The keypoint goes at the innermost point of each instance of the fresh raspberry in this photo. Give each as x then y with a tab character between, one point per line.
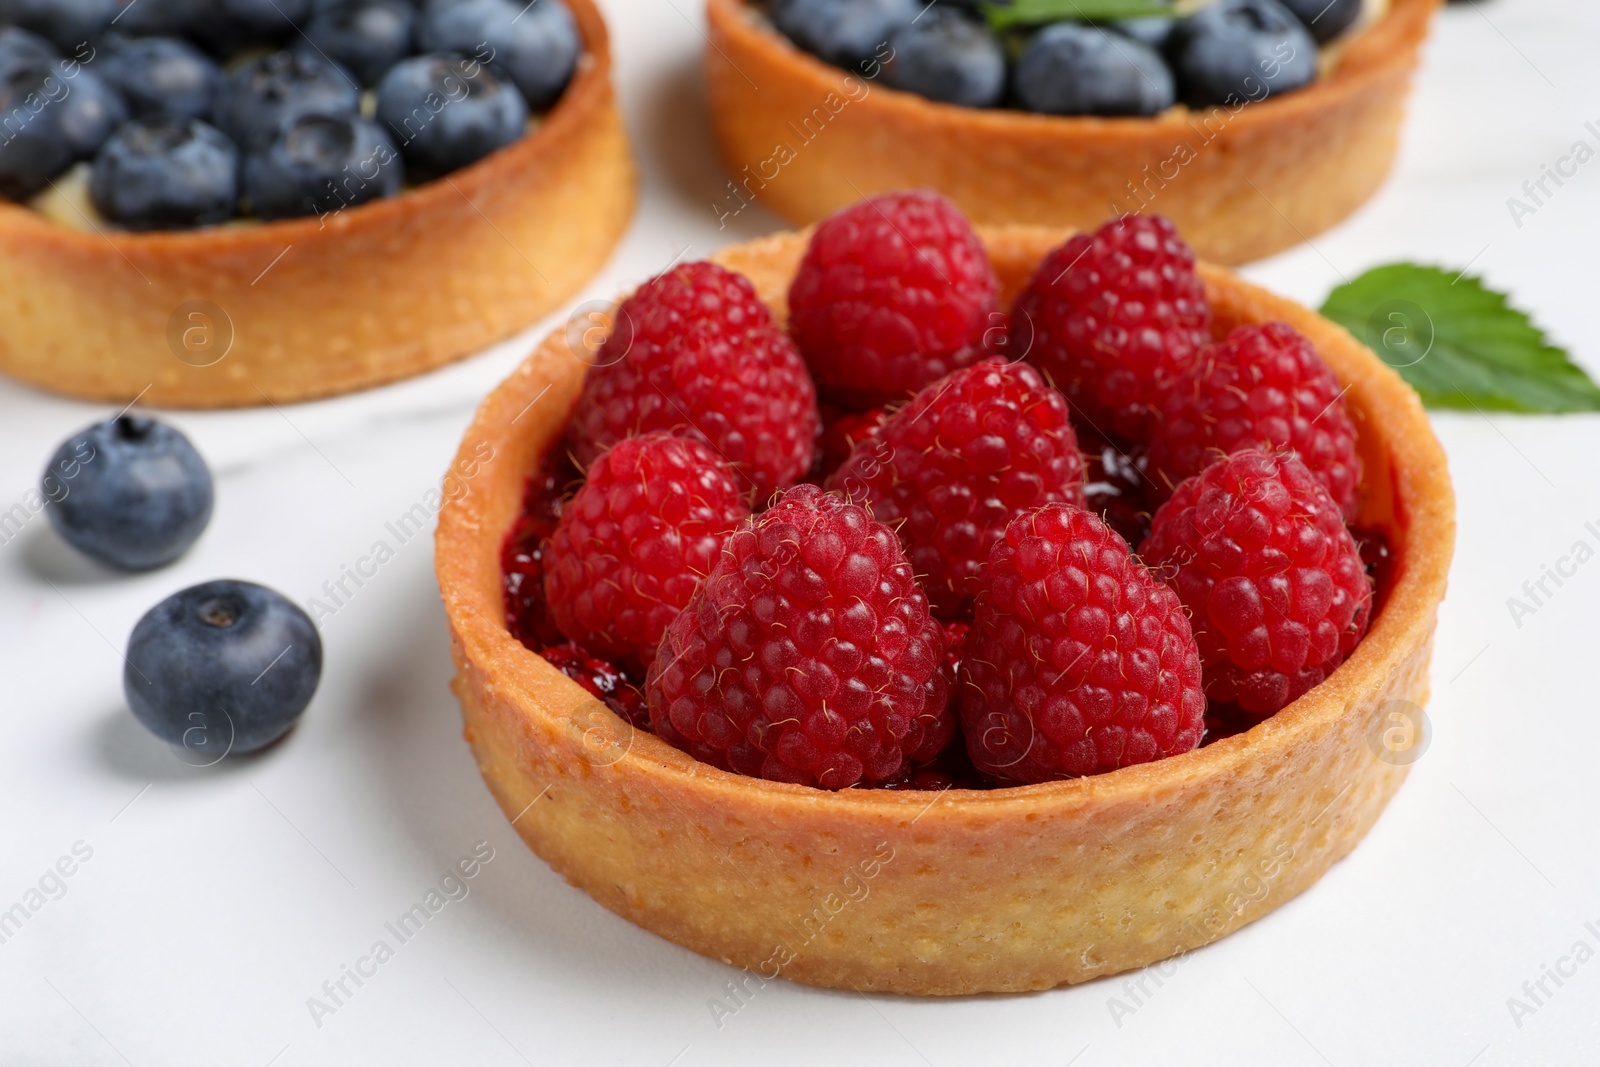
636	540
522	554
806	655
696	352
1264	387
895	291
1079	660
1113	317
1273	581
604	681
949	470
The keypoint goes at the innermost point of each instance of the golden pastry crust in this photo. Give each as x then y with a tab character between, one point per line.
806	138
314	306
962	891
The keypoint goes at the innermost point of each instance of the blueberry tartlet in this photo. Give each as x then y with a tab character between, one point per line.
233	202
1253	124
710	675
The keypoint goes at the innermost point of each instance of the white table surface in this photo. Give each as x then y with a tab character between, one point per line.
216	902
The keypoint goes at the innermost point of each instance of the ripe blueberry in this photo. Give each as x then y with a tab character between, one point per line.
320	164
366	36
947	56
852	34
165	75
1240	51
1326	19
130	492
163	173
536	45
1071	69
259	98
225	666
447	111
68	23
90	110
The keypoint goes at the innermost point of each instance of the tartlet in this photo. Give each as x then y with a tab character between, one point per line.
806	138
963	891
236	315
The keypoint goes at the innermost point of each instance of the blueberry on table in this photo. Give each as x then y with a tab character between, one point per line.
321	163
130	492
35	148
366	36
853	34
159	75
259	98
162	173
222	667
1326	19
68	23
536	44
446	111
946	56
1240	51
90	110
1072	69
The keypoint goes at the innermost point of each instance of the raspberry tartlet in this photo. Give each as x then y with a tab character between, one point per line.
854	843
806	137
238	312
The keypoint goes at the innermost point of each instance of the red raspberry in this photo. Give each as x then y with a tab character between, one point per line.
1113	317
806	655
895	291
1273	581
695	352
1264	387
636	540
953	467
1079	660
603	681
522	554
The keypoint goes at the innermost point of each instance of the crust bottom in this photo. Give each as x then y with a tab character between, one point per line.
963	891
1241	183
288	311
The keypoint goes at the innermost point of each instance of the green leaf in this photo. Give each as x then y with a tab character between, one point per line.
1037	12
1460	344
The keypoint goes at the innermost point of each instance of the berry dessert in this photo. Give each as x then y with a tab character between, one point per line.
222	668
1253	123
130	492
931	726
251	201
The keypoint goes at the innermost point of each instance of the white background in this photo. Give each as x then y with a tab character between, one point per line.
217	901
